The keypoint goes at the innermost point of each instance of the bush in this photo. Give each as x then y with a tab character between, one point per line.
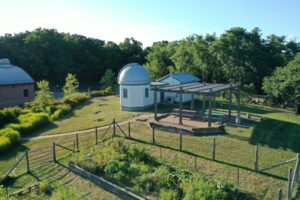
101	93
75	99
30	122
45	187
65	109
9	115
200	188
167	195
10	133
56	115
4	143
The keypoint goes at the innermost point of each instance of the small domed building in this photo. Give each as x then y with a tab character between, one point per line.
135	91
16	86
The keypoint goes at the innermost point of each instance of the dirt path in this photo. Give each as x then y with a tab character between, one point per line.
84	131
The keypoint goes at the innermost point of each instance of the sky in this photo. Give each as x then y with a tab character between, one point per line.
150	20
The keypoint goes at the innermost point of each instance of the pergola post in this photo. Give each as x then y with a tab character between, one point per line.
230	102
238	114
214	102
180	106
192	102
203	104
155	103
210	107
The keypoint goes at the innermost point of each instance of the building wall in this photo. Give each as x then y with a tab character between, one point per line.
176	97
11	95
136	98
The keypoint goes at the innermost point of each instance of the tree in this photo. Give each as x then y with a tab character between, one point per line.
71	85
43	95
159	59
108	79
284	85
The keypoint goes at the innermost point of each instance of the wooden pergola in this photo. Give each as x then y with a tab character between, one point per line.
207	90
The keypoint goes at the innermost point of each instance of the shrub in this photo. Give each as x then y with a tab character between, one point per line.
75	99
50	109
10	133
30	122
45	187
200	188
101	93
56	115
65	109
167	195
9	115
4	143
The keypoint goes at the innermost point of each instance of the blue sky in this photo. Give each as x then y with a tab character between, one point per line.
151	20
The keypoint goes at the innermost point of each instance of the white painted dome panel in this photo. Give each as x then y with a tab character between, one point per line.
133	74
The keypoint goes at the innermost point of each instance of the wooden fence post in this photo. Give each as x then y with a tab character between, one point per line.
153	135
296	171
129	136
238	178
214	149
256	159
289	186
77	142
279	194
160	152
27	161
114	127
180	140
54	152
96	132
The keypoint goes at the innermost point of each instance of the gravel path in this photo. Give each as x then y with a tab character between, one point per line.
84	131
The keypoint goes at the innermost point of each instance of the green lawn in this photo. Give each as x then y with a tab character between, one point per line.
278	137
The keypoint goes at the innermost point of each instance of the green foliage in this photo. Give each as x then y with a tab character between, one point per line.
4	143
168	195
43	95
9	115
45	187
30	122
75	99
284	85
64	193
108	80
71	85
199	188
101	93
8	137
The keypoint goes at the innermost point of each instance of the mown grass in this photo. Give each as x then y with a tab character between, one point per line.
230	154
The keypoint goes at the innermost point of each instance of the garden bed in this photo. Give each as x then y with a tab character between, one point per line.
133	168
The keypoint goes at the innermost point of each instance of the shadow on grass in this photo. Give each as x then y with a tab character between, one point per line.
277	134
209	159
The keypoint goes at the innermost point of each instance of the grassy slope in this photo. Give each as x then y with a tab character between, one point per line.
280	131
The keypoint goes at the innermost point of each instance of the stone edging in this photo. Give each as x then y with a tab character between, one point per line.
107	185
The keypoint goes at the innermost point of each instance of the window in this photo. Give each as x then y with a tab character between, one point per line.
125	93
25	93
146	92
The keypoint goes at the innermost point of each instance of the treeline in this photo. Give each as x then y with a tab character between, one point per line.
51	55
236	56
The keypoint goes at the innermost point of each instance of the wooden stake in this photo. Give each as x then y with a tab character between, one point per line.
160	152
279	194
27	161
238	178
214	149
289	186
54	152
114	127
153	136
129	136
77	142
256	159
96	132
180	141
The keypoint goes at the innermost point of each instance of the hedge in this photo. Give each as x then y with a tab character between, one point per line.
30	122
100	93
8	136
9	115
75	99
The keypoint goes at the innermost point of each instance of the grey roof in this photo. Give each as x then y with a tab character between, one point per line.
10	74
133	74
181	77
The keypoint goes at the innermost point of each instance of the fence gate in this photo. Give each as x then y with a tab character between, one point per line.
38	158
